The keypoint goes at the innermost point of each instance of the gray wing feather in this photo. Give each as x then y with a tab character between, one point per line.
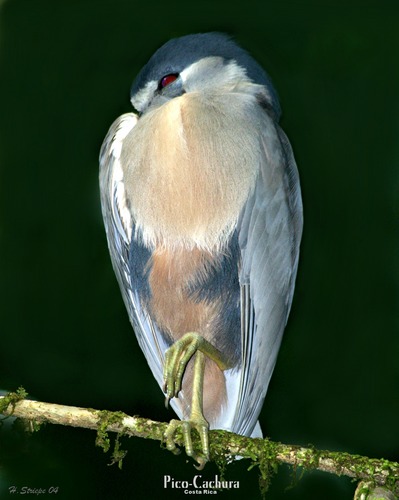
270	229
116	220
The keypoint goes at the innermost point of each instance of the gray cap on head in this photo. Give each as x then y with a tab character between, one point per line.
179	53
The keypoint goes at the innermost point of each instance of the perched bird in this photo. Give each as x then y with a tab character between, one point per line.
202	208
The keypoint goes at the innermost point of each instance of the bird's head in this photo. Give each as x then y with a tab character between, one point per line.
206	62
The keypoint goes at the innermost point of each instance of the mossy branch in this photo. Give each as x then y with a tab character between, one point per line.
224	445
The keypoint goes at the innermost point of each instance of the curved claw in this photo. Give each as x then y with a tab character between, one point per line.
169	433
179	354
201	425
176	360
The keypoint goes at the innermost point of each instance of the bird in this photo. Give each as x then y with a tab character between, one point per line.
202	208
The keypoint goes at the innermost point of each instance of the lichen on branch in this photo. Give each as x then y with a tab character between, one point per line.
224	446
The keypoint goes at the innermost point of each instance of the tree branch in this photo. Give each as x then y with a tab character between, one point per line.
224	445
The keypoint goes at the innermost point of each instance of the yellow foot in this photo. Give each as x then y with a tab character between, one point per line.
177	357
201	425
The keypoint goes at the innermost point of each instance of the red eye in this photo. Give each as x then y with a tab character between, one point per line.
166	80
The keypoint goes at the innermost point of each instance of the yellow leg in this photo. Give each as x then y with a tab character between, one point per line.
176	359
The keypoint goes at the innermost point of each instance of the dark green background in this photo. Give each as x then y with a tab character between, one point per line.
65	72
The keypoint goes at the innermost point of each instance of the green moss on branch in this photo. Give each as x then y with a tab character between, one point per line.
224	446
